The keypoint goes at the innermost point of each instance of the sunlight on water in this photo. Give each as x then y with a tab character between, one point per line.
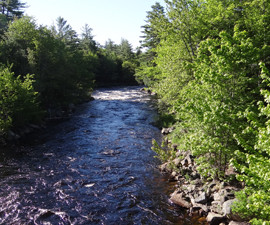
96	168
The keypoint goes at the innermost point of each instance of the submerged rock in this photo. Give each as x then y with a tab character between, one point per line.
12	136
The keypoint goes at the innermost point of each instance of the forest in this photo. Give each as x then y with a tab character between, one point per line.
208	62
44	70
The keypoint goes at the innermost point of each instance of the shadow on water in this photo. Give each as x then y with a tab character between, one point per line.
95	168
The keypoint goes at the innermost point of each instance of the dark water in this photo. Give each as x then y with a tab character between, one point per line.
95	168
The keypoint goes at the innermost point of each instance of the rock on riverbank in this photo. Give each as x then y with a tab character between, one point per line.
211	199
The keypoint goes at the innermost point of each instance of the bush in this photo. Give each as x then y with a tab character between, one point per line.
18	101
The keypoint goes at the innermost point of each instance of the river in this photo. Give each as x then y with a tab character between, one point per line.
95	168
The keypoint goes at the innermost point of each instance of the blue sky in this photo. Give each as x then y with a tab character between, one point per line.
114	19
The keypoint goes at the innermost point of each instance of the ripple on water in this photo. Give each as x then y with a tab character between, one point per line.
96	168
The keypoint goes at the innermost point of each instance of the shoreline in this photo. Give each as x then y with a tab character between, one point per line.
212	199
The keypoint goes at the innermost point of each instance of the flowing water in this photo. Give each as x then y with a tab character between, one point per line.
95	168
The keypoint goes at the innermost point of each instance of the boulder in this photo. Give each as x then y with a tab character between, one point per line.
227	210
177	162
230	171
197	207
167	130
227	207
187	161
177	198
216	196
216	207
195	175
230	192
197	182
212	187
178	153
190	188
165	168
202	198
214	218
173	176
220	196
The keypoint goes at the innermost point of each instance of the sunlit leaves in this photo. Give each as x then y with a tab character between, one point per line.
18	101
211	73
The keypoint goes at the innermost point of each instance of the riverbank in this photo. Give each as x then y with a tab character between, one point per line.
15	134
212	199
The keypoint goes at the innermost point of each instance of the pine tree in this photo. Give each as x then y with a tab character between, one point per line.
12	8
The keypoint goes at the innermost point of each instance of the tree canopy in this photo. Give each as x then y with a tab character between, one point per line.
64	66
209	66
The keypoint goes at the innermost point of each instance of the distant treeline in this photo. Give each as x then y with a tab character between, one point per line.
46	69
209	62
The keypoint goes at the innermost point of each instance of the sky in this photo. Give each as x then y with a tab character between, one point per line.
109	19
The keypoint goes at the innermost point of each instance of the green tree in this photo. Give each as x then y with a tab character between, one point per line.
62	74
48	60
17	41
87	39
254	164
65	33
125	51
109	67
18	101
153	29
156	22
11	8
206	73
117	63
3	24
110	46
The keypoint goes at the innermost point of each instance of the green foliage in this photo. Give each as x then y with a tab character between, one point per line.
87	41
65	66
3	23
64	69
146	74
164	152
254	166
152	29
11	8
209	68
165	120
18	101
117	64
18	39
125	50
